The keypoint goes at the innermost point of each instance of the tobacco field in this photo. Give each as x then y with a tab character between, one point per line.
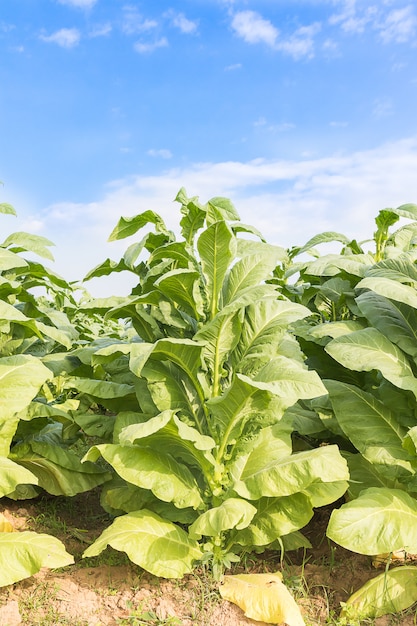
205	427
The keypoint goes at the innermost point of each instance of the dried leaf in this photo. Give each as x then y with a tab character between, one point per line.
262	597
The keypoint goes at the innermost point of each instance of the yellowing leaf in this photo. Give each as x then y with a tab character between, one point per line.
391	592
262	597
5	525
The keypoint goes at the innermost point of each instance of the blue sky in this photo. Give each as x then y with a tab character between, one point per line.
303	112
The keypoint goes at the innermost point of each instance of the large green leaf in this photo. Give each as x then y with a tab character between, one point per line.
183	287
217	247
326	237
58	471
401	269
12	475
19	242
370	426
289	380
160	547
292	474
105	389
230	411
21	377
406	210
379	521
262	331
395	320
390	289
23	554
391	592
248	272
232	513
10	260
156	470
368	349
276	517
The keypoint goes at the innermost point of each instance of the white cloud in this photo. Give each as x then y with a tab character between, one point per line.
100	30
232	67
383	107
301	42
134	22
163	153
181	22
289	201
352	20
150	46
253	28
399	25
65	37
81	4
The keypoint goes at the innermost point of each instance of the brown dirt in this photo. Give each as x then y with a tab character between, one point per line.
110	591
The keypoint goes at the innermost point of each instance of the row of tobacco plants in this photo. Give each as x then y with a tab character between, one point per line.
237	388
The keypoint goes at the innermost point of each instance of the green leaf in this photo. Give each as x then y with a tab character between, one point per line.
9	260
106	268
232	513
262	332
12	475
158	546
276	517
183	287
263	597
248	272
391	592
58	471
156	470
19	242
220	208
128	226
292	474
7	209
390	289
369	425
98	388
379	521
217	247
368	349
325	237
406	210
23	554
395	320
21	377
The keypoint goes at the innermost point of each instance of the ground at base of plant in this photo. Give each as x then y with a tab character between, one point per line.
110	591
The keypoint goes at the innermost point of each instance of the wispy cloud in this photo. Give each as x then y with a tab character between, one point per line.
81	4
233	67
150	46
185	25
100	30
288	200
253	29
134	23
65	37
399	25
352	20
382	107
163	153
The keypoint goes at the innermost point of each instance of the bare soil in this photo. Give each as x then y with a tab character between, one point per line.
109	590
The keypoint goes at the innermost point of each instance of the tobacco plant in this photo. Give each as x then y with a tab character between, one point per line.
364	344
202	455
